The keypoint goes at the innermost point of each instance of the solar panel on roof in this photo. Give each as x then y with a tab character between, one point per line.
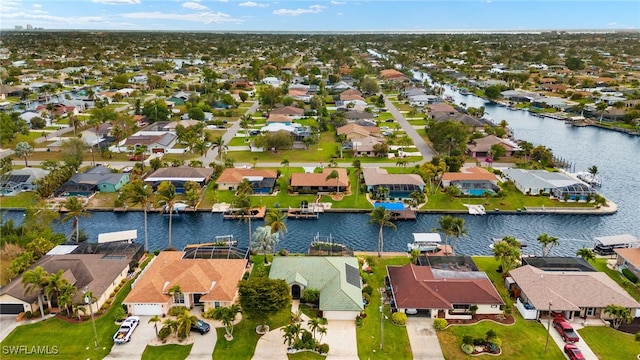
353	276
18	178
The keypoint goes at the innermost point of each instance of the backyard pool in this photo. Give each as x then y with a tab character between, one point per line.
478	192
390	205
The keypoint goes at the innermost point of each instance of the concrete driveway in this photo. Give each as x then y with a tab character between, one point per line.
271	346
7	324
141	336
341	337
203	345
423	339
584	347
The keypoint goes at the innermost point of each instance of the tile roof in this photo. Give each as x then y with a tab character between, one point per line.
327	274
216	279
378	176
235	175
484	144
357	129
631	255
287	110
569	290
179	172
163	139
278	118
320	179
420	287
470	173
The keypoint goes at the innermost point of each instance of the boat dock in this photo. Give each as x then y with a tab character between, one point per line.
406	214
311	212
254	213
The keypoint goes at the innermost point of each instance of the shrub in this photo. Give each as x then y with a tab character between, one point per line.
467	349
491	335
399	318
467	339
164	333
28	314
323	348
638	336
629	275
177	310
367	290
358	321
208	314
310	296
479	341
283	252
156	252
119	314
440	324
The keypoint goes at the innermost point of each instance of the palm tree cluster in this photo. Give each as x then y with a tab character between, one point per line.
179	326
382	217
451	227
295	336
55	287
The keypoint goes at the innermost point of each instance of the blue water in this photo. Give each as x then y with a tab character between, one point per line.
390	205
477	192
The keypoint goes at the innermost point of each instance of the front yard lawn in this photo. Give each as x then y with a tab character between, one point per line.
22	200
608	343
168	352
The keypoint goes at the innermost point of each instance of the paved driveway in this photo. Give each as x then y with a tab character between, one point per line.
142	335
586	350
341	337
203	345
271	346
423	339
7	324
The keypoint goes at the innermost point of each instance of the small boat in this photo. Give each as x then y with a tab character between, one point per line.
325	246
589	178
475	209
425	242
605	245
523	243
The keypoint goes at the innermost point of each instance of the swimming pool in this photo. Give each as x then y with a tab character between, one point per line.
478	192
390	205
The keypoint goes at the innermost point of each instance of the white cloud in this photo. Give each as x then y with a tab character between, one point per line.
37	6
203	17
194	6
313	9
253	4
339	14
334	2
117	2
9	5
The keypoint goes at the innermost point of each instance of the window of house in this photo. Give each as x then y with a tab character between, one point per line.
461	307
178	298
216	304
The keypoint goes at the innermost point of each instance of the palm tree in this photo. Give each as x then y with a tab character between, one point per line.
155	320
457	231
601	106
176	293
314	324
218	143
291	333
507	251
586	254
619	315
322	330
65	297
275	220
24	150
35	281
227	315
263	240
334	175
139	193
285	163
245	188
382	217
200	147
185	320
166	197
446	225
547	243
593	170
54	285
75	209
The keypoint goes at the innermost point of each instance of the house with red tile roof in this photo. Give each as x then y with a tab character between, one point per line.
290	111
443	292
231	178
479	148
471	178
355	131
212	282
317	182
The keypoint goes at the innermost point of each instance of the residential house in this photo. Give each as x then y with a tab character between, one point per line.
19	180
138	79
628	259
365	146
307	183
179	176
279	119
393	75
481	147
290	111
261	180
574	293
542	182
273	81
96	179
399	185
336	278
211	282
359	117
471	178
465	119
354	131
153	141
98	268
171	126
445	293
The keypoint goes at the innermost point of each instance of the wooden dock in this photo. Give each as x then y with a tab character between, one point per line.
406	214
254	213
305	213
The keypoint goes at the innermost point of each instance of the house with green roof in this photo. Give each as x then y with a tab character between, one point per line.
337	279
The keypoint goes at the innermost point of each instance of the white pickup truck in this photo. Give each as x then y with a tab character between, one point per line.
123	335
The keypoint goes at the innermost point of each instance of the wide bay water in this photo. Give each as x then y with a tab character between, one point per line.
616	155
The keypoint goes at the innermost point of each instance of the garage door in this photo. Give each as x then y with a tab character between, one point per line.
147	309
11	309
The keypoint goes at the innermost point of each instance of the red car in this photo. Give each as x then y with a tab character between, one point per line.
573	352
565	330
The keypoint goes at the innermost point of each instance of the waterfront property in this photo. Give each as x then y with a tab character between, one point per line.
481	147
473	181
557	184
21	180
399	185
574	293
337	279
320	182
628	259
449	292
605	245
178	176
262	180
173	280
96	179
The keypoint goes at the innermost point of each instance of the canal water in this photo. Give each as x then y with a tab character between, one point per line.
615	155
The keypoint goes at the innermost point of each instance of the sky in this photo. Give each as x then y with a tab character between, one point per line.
334	15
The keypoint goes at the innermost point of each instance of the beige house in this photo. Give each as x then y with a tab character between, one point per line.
317	182
212	282
231	178
629	259
355	131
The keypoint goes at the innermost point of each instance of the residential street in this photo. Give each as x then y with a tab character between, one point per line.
418	141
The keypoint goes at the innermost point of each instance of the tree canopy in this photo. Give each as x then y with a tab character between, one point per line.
261	297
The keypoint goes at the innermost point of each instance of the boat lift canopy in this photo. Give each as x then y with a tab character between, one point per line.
427	238
127	235
617	240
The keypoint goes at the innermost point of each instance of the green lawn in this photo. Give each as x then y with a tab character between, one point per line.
306	355
396	341
633	289
73	340
22	200
168	352
608	343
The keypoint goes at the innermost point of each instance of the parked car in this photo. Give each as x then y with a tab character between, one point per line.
123	335
565	330
573	352
201	327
